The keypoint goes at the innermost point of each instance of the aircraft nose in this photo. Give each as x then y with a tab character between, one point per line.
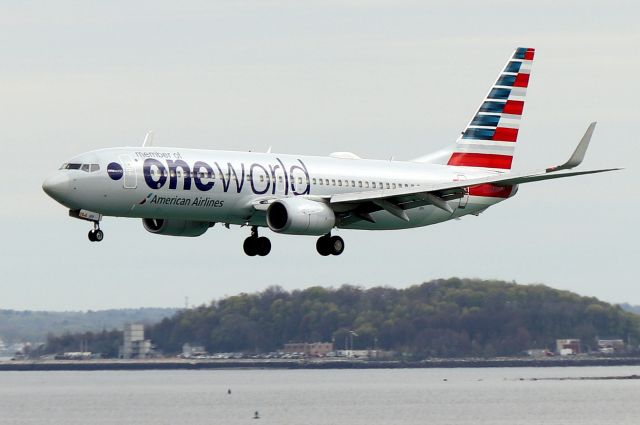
57	186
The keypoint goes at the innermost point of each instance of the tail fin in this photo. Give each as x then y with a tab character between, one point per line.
489	139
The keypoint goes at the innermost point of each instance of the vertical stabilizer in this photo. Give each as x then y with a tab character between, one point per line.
489	139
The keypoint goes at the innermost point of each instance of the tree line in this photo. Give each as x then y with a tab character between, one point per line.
34	326
441	318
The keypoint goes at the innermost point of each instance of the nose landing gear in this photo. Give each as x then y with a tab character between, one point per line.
96	235
330	245
256	245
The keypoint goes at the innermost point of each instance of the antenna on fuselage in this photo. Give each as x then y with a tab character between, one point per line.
148	139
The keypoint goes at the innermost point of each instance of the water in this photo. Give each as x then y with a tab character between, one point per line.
323	397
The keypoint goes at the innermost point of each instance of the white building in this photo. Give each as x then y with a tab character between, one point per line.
134	345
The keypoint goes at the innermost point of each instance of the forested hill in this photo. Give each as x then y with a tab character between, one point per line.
34	326
630	308
454	317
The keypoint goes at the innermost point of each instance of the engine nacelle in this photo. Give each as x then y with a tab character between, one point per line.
174	227
300	216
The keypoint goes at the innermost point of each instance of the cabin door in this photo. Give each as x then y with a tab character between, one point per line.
130	180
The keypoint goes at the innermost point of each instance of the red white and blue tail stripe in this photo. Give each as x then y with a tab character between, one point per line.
489	139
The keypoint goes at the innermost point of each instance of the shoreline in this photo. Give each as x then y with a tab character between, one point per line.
186	364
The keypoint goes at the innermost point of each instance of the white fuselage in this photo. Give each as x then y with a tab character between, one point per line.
225	186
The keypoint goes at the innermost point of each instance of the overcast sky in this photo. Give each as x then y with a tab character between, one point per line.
379	78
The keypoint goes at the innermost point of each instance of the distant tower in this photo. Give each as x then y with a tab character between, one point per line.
134	345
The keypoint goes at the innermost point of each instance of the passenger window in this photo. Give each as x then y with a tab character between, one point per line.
326	182
314	180
320	181
393	186
360	183
366	184
339	182
373	185
353	183
333	182
280	179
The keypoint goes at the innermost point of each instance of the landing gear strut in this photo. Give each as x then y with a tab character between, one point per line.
330	245
96	235
256	245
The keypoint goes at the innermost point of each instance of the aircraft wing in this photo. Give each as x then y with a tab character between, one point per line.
397	200
358	205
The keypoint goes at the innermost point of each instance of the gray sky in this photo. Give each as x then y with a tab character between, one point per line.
379	78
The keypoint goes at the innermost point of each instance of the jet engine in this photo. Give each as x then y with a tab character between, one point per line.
300	216
173	227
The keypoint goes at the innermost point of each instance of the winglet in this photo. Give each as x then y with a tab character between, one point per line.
578	154
148	139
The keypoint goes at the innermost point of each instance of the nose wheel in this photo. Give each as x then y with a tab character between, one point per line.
256	245
96	235
330	245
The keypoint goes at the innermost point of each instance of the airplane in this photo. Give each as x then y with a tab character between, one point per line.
184	192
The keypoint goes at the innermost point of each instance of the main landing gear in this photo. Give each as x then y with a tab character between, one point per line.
96	235
259	245
330	245
256	245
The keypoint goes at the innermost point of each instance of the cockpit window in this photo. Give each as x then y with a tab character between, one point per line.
88	168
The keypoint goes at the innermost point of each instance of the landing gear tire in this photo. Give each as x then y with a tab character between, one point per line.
250	246
96	235
330	245
264	246
336	245
256	245
323	245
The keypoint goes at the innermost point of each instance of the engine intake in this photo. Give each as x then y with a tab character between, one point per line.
174	227
300	216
